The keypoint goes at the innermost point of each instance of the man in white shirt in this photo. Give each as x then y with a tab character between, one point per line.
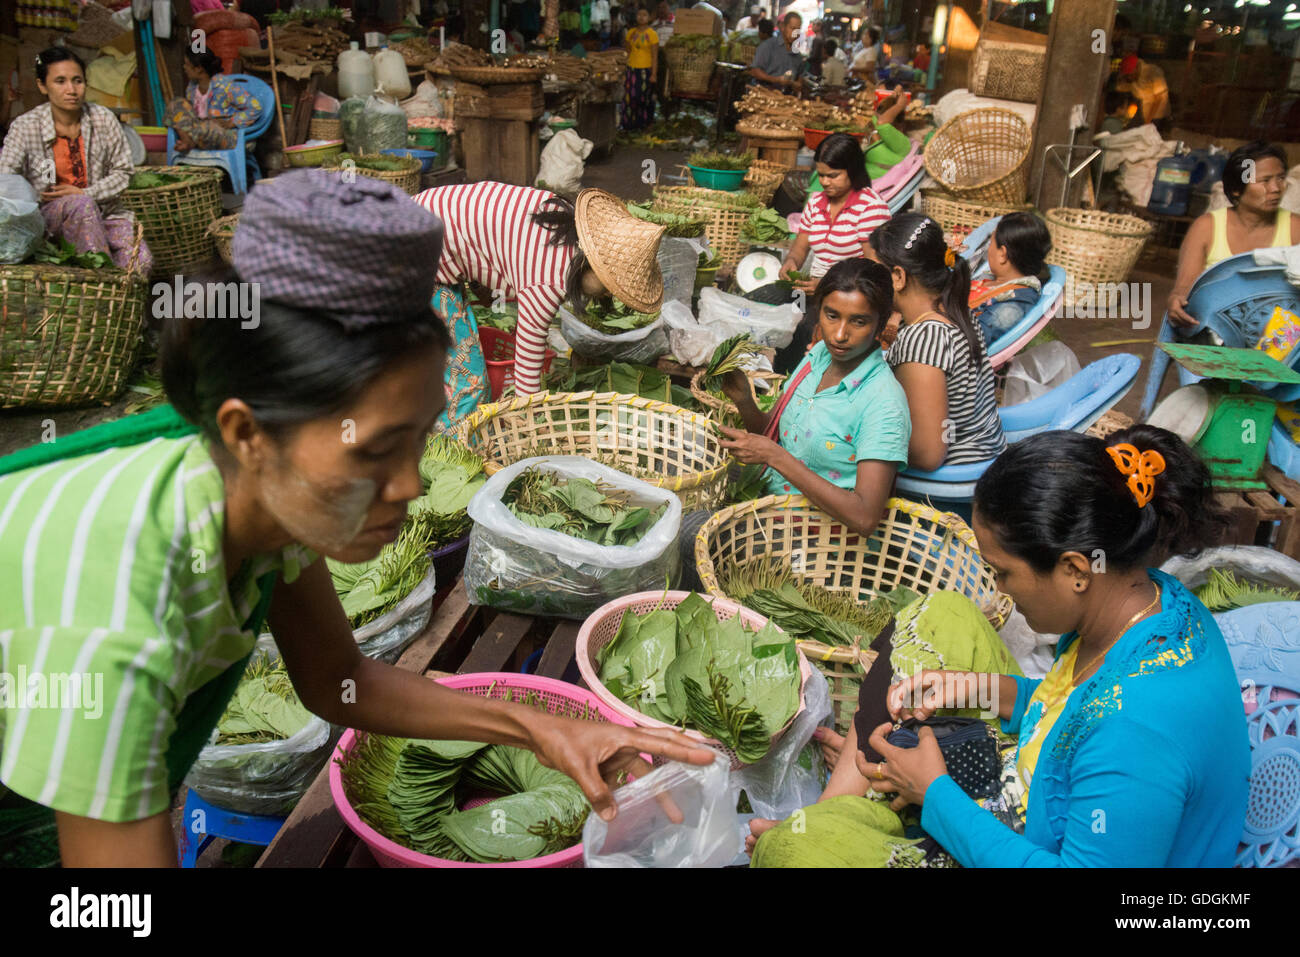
750	22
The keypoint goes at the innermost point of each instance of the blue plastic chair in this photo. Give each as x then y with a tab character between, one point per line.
1233	300
239	161
1074	405
1264	641
203	822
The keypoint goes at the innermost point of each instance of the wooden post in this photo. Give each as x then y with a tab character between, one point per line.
1078	59
275	88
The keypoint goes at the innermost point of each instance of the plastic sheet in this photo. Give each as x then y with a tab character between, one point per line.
771	326
678	259
385	638
22	227
641	346
539	571
702	831
266	779
1038	370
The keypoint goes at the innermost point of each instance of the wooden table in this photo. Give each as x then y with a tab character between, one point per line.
460	638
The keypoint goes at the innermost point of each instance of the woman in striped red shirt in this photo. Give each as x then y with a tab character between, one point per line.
532	246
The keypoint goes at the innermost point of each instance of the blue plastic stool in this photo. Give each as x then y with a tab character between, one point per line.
1264	641
213	822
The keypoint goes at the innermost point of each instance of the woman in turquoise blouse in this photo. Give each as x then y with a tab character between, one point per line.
1132	751
841	433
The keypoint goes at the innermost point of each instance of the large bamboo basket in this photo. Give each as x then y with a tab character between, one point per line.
958	216
982	156
1094	246
406	179
764	178
722	408
690	71
69	336
176	217
222	232
727	213
668	446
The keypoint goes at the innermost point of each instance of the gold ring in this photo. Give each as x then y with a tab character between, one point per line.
880	770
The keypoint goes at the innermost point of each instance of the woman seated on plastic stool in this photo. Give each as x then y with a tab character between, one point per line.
1017	257
889	150
1168	771
207	117
840	432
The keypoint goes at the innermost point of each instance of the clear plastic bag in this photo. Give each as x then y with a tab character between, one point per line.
1249	561
642	346
643	834
351	112
22	227
690	342
678	259
385	638
779	785
383	125
771	326
539	571
1038	370
267	779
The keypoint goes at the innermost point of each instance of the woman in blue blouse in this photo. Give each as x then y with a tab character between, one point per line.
842	434
1133	749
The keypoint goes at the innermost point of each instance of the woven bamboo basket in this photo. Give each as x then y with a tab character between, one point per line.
764	178
724	410
843	666
491	75
727	212
1008	71
69	336
321	128
667	446
406	179
982	156
913	546
957	216
1109	423
222	232
176	217
1093	246
742	53
691	71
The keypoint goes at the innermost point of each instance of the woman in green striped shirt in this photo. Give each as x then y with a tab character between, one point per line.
145	554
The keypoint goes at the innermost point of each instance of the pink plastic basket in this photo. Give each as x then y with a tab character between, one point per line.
602	625
559	698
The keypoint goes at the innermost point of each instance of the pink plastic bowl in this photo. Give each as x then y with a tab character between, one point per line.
559	697
602	625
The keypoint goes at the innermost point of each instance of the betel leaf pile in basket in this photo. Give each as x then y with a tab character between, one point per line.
417	793
450	475
579	508
612	317
265	706
683	666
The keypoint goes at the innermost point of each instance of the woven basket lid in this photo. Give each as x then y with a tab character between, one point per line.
621	249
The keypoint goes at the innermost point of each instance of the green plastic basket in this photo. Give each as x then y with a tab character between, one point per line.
725	179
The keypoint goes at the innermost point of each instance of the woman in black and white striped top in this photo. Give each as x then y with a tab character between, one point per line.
938	356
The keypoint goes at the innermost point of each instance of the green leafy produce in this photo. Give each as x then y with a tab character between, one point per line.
712	159
1225	591
612	317
265	706
578	508
766	226
63	253
329	13
710	259
149	180
384	164
412	792
684	666
623	378
685	227
505	319
695	42
729	356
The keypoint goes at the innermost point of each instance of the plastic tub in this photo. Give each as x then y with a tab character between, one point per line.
724	179
813	138
426	157
557	695
153	137
313	155
449	560
499	354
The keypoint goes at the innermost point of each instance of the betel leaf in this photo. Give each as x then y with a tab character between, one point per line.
697	623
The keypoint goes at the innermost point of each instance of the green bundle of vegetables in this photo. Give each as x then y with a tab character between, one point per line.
265	706
697	42
329	13
766	226
411	791
63	253
383	164
579	508
711	259
712	159
623	378
149	180
685	227
612	317
729	356
1225	591
684	666
506	318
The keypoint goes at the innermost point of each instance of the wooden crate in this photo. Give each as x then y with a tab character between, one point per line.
1268	517
501	101
460	639
504	151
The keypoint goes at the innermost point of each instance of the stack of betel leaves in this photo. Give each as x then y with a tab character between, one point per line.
683	227
415	793
611	317
766	226
265	707
683	666
504	317
715	160
146	179
579	508
63	253
621	377
1225	591
451	475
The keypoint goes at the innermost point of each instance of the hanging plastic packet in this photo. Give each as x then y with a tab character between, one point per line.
679	815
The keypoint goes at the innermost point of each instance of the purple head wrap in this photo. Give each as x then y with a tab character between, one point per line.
361	252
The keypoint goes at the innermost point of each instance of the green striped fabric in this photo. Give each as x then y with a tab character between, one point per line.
112	564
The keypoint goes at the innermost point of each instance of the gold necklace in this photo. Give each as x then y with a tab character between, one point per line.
1129	624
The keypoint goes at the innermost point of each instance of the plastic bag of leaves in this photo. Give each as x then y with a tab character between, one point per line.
618	335
544	570
267	749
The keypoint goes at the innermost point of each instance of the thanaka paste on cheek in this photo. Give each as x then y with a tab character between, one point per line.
323	520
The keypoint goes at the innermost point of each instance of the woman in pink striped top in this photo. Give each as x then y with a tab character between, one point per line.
836	222
531	245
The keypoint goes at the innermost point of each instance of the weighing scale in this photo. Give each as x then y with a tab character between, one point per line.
1225	418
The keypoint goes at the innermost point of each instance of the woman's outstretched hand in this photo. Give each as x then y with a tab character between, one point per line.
749	448
907	772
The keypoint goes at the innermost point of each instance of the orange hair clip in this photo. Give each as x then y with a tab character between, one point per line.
1140	467
949	257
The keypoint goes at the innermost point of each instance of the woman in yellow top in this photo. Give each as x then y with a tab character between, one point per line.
642	73
1254	179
